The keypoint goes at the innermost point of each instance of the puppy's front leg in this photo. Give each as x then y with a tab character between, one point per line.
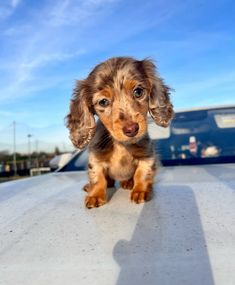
97	188
143	180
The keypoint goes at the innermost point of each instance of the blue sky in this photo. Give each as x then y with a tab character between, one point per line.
47	45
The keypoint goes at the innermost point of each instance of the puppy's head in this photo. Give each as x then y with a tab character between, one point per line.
121	91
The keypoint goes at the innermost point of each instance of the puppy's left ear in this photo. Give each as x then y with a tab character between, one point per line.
160	106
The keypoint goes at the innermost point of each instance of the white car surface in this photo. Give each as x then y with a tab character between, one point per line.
184	235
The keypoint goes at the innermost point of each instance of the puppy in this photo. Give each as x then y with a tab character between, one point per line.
120	91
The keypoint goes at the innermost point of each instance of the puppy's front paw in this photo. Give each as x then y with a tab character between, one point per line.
93	202
139	196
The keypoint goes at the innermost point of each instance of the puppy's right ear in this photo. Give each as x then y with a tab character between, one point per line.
80	120
160	106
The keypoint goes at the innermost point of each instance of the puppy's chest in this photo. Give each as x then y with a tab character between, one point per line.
122	165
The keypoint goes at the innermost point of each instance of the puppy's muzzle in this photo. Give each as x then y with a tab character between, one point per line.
130	129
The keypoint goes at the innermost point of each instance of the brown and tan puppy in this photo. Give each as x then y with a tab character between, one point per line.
120	91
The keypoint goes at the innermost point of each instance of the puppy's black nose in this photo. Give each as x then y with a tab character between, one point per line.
130	129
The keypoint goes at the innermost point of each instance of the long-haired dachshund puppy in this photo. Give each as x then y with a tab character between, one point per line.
120	91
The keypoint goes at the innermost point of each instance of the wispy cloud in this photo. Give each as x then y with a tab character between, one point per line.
7	8
209	90
27	84
37	50
47	58
70	12
6	113
26	69
212	82
15	3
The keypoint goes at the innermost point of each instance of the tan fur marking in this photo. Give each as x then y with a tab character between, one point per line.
97	193
129	85
143	181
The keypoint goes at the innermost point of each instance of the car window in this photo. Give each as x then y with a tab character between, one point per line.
200	137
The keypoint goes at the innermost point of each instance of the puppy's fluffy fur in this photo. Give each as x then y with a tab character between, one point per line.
120	91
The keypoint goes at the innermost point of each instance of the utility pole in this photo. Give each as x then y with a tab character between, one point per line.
29	149
14	148
37	164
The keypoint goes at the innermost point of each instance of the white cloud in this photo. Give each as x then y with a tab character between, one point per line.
49	57
71	12
5	11
210	90
20	89
11	114
15	3
7	8
210	82
35	47
28	67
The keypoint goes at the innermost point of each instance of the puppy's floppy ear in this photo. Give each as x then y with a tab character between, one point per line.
80	120
160	107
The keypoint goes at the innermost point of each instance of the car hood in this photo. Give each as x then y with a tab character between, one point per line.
184	235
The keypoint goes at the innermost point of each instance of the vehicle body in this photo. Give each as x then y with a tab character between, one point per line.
184	235
60	160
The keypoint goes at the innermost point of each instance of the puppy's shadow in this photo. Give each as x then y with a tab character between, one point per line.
168	245
116	187
111	191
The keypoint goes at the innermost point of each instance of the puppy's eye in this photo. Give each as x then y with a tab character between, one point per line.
104	102
138	92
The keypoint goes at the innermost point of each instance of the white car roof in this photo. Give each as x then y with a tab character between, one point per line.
185	235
